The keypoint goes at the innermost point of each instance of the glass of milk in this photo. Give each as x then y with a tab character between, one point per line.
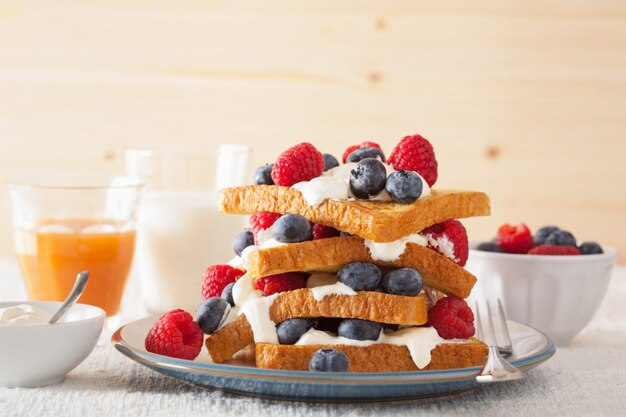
180	231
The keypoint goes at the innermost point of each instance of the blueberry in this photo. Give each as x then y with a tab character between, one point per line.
329	360
211	313
360	276
263	175
344	234
227	294
367	152
404	186
290	331
356	329
489	247
402	281
560	238
329	161
543	233
242	240
368	178
590	248
291	228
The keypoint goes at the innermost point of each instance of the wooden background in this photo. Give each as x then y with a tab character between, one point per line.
523	99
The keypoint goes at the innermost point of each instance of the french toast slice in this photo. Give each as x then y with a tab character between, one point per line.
373	358
365	305
380	221
328	255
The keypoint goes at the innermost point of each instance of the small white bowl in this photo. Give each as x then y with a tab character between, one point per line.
40	355
558	295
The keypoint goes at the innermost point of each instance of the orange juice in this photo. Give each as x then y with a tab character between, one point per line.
53	253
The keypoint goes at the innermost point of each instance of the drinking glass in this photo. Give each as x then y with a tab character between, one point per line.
180	231
64	224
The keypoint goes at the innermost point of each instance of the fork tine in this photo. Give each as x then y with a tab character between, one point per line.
479	326
492	328
508	345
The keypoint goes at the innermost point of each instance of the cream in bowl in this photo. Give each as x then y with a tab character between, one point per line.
34	353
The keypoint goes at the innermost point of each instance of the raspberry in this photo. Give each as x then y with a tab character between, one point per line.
449	238
282	282
353	148
515	239
322	232
554	250
299	163
216	277
260	221
175	334
415	153
452	318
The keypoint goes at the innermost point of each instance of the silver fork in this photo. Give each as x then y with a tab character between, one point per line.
497	368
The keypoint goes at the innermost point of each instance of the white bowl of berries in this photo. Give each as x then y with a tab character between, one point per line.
548	280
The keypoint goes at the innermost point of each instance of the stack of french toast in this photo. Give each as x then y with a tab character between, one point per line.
349	267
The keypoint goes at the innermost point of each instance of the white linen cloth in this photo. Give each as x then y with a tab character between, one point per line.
586	378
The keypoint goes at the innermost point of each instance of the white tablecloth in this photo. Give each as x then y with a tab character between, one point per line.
587	378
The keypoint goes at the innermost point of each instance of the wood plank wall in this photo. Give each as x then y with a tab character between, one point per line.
523	99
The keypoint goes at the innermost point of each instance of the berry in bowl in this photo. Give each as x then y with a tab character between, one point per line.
547	280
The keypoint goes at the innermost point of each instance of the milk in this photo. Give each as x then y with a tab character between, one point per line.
180	233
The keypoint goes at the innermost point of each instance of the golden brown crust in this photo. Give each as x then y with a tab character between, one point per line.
375	220
373	358
326	255
374	306
230	339
365	305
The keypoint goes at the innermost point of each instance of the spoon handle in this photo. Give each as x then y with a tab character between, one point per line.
77	291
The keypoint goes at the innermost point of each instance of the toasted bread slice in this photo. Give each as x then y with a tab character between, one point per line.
373	306
379	221
373	358
327	255
230	339
365	305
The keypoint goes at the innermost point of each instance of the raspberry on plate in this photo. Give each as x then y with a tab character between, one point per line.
515	239
299	163
175	334
216	278
260	221
320	231
450	239
554	250
353	148
274	284
452	318
415	153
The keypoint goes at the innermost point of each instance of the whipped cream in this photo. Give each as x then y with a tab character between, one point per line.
257	313
420	341
391	251
338	288
335	184
250	302
23	314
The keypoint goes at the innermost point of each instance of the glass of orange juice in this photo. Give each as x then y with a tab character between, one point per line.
66	224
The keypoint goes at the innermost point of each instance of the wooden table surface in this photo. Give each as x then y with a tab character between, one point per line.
524	99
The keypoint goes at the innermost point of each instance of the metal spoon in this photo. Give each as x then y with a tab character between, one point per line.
79	286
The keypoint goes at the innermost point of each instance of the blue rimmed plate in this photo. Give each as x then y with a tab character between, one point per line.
241	376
